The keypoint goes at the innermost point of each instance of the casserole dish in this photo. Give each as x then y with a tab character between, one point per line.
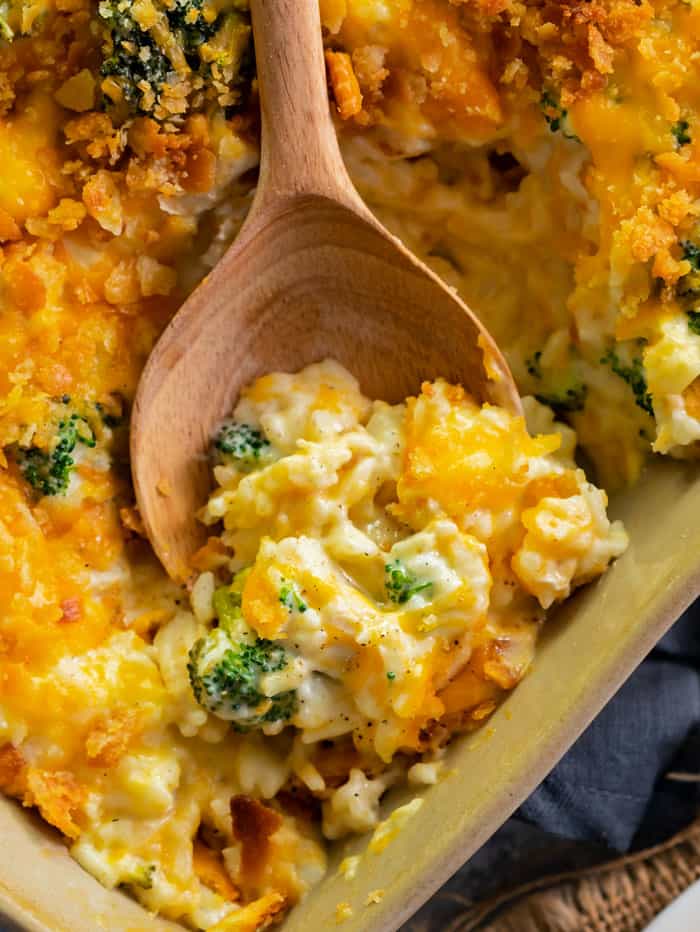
589	647
517	148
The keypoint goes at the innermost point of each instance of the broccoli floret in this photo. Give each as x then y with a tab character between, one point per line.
141	877
563	394
688	287
633	374
187	21
225	677
691	252
227	606
680	133
400	583
49	471
242	445
226	666
694	322
227	603
567	399
291	598
557	117
133	58
142	60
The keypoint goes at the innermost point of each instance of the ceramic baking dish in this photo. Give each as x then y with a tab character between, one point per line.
586	652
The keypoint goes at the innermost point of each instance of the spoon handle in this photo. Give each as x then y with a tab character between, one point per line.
300	153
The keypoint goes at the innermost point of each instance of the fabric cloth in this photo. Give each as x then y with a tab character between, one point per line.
611	788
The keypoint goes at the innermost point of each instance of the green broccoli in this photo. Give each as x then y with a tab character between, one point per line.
291	598
633	374
688	287
187	21
694	322
680	133
557	117
570	398
563	393
400	583
227	607
141	60
49	471
133	58
691	252
225	678
226	665
242	446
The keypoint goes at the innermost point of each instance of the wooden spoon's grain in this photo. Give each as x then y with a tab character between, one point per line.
311	275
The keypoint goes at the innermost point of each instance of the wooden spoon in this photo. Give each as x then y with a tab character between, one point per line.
311	275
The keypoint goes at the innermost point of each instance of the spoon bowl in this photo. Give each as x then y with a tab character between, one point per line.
311	275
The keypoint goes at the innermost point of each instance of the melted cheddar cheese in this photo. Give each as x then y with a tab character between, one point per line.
545	160
396	559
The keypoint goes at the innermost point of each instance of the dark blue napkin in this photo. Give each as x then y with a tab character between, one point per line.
612	787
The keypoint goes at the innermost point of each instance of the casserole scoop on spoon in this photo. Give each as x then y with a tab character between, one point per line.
311	275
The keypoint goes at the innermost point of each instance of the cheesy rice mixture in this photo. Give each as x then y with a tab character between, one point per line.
375	576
